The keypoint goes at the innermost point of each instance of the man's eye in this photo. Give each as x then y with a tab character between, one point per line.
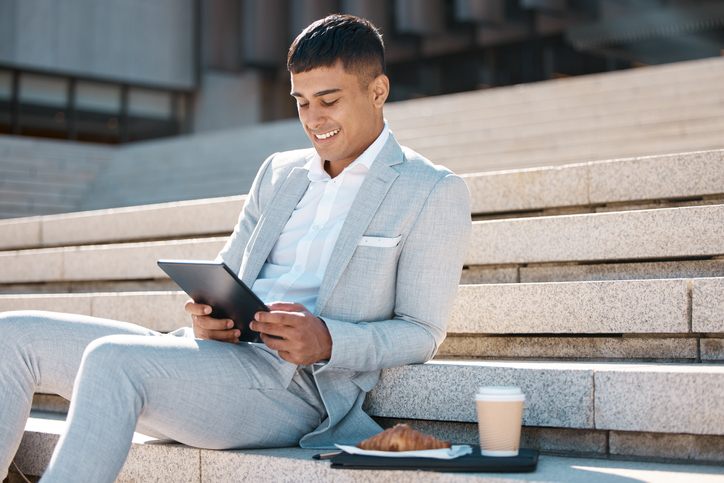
329	104
302	105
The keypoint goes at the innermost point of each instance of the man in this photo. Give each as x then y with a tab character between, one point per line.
363	241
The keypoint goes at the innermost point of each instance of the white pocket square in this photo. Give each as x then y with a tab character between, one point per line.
379	241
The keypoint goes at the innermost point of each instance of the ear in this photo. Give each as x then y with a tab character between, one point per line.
379	90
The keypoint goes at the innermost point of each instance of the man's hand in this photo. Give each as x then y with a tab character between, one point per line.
304	339
206	327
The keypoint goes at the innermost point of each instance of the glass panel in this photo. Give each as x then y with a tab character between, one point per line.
6	96
149	103
180	107
43	90
6	85
97	97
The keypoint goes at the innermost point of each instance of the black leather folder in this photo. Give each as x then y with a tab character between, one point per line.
525	462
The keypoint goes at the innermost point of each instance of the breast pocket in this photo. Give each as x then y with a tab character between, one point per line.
380	241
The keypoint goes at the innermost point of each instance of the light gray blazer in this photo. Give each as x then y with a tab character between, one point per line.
391	280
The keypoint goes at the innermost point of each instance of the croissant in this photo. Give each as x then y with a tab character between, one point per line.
402	438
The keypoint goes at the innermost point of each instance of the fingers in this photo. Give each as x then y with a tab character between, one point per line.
196	309
206	327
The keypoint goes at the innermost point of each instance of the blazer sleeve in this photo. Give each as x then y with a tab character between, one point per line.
428	276
233	252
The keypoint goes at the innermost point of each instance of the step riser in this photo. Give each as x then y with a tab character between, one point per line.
649	348
110	262
646	234
645	398
474	162
151	222
680	306
565	272
652	178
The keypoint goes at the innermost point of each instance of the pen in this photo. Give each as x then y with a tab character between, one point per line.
326	456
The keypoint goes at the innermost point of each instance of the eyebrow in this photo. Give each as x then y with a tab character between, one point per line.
318	94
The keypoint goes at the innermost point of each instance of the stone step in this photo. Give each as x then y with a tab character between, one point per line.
672	177
557	122
664	234
227	158
674	307
678	176
679	142
485	141
150	222
670	81
129	261
182	464
656	398
548	151
672	233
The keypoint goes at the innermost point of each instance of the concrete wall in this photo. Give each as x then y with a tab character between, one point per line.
227	99
136	41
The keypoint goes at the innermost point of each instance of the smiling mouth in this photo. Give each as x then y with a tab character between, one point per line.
327	135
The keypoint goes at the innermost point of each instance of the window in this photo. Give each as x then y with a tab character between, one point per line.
97	112
43	105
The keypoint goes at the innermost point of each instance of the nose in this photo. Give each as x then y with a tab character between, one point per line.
315	117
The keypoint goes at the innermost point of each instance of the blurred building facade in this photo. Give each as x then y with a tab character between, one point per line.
114	71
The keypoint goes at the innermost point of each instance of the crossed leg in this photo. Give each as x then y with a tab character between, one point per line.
202	393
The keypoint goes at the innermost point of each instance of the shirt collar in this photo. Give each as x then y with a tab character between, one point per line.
361	164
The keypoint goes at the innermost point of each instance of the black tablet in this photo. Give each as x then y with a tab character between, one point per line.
214	284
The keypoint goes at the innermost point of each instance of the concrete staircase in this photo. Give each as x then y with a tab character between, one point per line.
597	288
641	112
38	176
654	110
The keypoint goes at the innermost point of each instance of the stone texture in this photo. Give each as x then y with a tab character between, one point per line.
489	275
129	261
655	177
582	307
621	271
161	311
671	446
165	220
165	462
570	348
175	463
30	266
666	233
134	260
712	349
707	300
280	465
66	303
145	461
19	233
662	399
528	189
558	395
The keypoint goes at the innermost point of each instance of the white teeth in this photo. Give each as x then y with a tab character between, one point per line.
326	135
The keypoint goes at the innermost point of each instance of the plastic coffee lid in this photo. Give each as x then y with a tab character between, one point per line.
499	391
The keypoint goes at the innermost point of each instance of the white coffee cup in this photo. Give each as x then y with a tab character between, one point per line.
500	416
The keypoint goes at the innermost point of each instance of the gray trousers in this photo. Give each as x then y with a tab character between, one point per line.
121	377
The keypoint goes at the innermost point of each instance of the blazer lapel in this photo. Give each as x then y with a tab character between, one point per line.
373	190
272	223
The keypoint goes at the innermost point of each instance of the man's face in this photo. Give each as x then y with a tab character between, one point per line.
340	117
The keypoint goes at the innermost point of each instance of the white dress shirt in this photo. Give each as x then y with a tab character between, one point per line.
295	267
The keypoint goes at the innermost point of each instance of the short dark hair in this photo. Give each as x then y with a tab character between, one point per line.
352	40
